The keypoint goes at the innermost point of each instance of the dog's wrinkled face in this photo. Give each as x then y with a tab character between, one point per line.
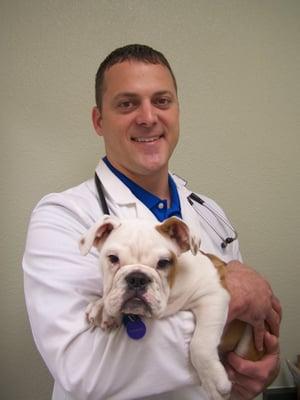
138	259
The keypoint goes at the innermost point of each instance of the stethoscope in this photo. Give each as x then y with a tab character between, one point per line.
192	199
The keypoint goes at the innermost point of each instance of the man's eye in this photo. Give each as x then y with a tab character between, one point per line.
163	263
125	104
113	259
163	102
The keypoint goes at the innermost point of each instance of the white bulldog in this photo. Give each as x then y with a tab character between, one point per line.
154	270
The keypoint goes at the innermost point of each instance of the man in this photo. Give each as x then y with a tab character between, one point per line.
137	114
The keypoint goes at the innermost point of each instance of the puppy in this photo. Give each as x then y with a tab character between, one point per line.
154	270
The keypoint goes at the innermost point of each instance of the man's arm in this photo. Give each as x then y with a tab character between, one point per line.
59	284
253	301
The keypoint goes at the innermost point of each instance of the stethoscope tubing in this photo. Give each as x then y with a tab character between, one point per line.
192	198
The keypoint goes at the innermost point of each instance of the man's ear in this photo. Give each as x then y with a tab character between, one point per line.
97	120
97	234
179	231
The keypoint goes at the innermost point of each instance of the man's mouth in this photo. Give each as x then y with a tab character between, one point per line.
146	139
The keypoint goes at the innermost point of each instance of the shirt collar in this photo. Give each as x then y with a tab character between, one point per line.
156	205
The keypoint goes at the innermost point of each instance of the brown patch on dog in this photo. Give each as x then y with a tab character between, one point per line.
235	329
176	230
172	271
231	337
219	264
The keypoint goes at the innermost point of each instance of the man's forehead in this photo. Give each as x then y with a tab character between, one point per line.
135	64
132	71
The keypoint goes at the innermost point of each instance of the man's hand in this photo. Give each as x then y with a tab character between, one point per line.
250	378
252	301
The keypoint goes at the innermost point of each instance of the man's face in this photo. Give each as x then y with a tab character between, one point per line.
139	119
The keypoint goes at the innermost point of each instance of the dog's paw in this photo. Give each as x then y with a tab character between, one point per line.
215	381
97	316
94	312
109	323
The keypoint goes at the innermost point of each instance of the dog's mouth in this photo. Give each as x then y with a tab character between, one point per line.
136	305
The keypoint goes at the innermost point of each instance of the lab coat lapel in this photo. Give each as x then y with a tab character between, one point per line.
120	200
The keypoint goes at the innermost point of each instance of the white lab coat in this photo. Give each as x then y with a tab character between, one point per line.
89	364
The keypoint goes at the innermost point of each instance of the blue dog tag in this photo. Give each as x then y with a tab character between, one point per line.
135	327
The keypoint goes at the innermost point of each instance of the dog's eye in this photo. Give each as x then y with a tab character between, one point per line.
163	263
113	259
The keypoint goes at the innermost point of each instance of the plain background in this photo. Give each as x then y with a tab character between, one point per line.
237	65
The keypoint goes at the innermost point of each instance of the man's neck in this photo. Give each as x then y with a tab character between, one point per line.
156	183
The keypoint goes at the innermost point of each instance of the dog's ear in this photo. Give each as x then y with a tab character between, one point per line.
97	234
179	231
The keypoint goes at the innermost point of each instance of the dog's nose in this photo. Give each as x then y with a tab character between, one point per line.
137	280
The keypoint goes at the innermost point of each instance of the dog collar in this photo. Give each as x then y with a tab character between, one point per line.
135	327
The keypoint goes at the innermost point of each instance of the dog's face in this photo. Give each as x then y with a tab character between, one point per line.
138	259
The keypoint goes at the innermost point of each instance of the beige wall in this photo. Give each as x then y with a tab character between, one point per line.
237	65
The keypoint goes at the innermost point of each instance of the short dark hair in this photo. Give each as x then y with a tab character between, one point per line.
136	52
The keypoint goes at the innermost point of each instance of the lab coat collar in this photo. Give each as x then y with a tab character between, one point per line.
117	191
113	186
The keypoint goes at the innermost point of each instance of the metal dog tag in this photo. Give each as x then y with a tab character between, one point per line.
135	327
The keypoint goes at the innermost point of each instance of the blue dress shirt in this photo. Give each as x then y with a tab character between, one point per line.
159	207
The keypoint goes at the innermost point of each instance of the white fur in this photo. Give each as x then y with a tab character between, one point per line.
139	245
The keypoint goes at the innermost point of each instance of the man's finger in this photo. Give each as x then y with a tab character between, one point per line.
277	306
259	333
273	321
271	344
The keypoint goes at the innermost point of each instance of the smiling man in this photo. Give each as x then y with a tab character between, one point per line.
139	121
137	115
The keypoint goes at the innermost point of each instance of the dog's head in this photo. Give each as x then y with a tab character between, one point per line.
138	259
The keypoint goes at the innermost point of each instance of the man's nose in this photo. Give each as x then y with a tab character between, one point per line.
147	114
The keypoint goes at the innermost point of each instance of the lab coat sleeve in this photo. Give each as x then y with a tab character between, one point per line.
59	283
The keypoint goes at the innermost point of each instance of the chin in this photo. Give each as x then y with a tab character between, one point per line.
152	166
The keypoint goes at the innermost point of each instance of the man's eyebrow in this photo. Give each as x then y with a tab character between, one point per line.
126	94
133	94
163	92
